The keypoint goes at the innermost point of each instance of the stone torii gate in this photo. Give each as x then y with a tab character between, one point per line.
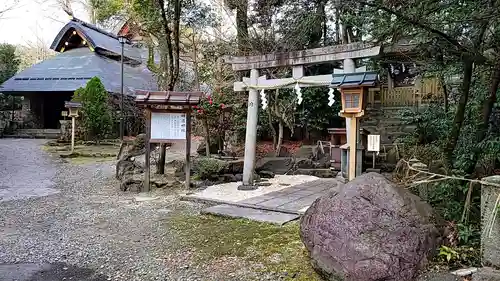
297	60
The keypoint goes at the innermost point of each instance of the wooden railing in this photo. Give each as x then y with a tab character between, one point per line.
401	96
405	96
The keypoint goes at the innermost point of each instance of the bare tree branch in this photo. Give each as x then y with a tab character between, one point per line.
8	6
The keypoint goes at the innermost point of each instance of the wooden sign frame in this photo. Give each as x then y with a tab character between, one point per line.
167	102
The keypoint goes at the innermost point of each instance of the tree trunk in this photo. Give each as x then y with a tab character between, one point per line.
460	112
160	165
488	104
242	26
280	137
440	58
195	62
445	92
207	136
172	65
337	26
345	36
273	130
325	23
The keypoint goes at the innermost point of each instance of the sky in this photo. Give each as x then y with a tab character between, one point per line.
32	19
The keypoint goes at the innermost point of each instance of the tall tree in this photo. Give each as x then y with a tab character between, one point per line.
241	7
9	62
459	28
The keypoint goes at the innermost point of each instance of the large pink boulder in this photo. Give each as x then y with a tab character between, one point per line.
369	230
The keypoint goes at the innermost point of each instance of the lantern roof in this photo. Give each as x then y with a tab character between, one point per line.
72	104
357	79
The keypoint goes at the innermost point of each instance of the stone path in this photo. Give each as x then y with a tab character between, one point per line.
294	199
251	214
279	206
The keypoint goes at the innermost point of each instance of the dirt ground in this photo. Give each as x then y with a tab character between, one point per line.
65	219
86	229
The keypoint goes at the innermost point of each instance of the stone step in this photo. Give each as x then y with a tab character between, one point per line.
36	133
320	173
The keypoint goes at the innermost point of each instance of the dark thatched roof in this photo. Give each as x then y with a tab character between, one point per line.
76	63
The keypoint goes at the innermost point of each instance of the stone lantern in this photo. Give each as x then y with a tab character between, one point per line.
74	108
354	92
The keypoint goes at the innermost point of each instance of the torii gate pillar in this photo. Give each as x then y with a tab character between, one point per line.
251	133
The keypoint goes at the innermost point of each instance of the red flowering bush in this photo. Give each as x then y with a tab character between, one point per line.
213	119
208	108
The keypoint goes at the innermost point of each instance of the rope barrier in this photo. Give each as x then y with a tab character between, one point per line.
488	229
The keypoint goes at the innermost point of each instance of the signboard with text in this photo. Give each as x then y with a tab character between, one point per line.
374	143
168	126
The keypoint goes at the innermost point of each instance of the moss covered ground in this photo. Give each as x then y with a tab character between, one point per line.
277	249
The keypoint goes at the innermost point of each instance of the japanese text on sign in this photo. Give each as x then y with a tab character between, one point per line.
168	126
374	143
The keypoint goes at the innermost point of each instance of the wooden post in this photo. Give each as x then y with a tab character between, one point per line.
188	150
73	134
148	151
490	223
352	147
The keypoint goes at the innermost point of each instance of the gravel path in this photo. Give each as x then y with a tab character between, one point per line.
25	171
84	228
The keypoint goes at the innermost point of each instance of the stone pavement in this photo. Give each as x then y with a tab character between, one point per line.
232	211
279	206
294	199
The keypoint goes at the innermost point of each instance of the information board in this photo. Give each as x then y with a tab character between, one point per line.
374	143
168	126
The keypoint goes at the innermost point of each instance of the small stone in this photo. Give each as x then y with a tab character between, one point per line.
239	177
465	271
266	174
145	198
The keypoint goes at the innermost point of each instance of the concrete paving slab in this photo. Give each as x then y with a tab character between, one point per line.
257	200
273	203
252	214
294	200
306	192
228	192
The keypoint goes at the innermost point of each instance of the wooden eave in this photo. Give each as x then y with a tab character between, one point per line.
149	98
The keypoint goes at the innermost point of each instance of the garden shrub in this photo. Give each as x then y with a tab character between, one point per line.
96	114
206	167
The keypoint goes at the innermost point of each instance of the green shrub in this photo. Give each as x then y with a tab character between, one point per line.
206	167
458	257
96	113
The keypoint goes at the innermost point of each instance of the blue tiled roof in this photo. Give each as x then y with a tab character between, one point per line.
355	79
72	69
